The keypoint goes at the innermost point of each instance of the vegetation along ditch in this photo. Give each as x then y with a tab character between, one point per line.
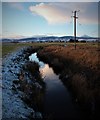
55	81
78	69
31	83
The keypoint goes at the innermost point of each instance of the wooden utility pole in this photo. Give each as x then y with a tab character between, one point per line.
75	27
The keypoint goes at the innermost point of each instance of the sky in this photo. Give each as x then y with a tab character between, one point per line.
27	19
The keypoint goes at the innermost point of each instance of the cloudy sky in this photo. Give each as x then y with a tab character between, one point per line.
21	19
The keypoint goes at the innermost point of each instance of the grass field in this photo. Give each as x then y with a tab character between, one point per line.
10	47
78	69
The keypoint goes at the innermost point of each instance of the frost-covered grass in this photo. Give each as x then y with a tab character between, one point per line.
13	107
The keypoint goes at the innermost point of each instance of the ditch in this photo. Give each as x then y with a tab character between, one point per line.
58	101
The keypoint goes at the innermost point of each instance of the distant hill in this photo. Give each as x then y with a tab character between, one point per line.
50	39
86	36
6	40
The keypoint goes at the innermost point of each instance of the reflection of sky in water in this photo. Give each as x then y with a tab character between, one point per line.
33	57
57	97
51	79
48	72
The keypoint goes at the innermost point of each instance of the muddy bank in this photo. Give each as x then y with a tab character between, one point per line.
79	72
17	83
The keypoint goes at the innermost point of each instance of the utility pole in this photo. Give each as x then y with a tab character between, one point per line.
75	17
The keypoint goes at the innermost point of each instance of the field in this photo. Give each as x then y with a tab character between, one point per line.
78	69
10	47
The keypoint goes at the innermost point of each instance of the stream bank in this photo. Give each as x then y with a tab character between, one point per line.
14	84
79	74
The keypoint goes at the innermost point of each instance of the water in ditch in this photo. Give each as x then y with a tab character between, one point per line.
58	103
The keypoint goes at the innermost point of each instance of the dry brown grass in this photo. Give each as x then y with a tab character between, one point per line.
81	66
84	56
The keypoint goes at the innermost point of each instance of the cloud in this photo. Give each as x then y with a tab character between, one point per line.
62	12
50	12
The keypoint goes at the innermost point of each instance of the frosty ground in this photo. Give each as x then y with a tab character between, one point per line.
12	105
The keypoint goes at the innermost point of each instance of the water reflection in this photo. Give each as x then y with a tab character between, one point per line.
33	57
57	99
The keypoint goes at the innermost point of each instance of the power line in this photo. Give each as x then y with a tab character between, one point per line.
75	17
